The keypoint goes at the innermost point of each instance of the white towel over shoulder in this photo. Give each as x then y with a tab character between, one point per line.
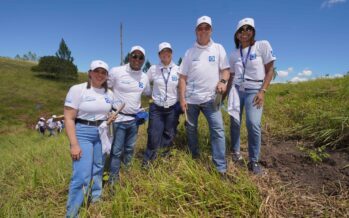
234	103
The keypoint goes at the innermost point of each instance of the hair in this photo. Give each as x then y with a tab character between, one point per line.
237	42
104	85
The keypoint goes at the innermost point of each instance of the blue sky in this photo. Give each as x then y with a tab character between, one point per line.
309	37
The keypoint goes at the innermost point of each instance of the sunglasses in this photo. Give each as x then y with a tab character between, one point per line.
139	57
245	29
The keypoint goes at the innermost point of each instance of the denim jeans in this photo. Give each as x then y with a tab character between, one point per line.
216	127
89	169
253	125
161	129
125	135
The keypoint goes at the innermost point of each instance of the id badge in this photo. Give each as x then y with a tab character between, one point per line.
242	88
166	105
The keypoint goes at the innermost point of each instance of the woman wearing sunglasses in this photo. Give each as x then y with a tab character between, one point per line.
251	66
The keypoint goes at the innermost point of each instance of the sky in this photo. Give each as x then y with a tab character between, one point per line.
309	37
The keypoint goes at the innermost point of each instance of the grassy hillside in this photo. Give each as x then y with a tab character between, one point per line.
35	170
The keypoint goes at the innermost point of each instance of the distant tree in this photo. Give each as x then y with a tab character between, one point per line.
56	68
64	52
146	66
179	61
29	56
275	73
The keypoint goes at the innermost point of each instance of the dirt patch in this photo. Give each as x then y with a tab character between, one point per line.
294	186
330	177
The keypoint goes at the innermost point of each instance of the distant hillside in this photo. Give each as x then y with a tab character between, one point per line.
25	97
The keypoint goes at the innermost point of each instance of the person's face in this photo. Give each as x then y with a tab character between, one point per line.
136	60
245	34
203	33
98	76
165	56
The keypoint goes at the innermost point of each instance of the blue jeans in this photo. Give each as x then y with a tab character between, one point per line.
161	129
253	125
217	137
89	169
125	135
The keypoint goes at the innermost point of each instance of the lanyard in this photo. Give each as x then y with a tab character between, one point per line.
166	80
244	62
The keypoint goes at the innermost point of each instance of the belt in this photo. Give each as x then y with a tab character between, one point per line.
88	122
252	80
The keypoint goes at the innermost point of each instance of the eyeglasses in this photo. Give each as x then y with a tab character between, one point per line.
245	29
139	57
203	28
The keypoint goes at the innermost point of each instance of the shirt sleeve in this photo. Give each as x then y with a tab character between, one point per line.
150	73
184	67
73	97
223	58
111	78
266	52
147	89
231	64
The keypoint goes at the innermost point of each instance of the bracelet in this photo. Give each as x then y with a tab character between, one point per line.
264	90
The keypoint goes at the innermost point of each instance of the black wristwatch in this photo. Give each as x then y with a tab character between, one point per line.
223	81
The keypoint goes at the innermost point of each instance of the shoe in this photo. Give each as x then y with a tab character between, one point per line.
254	167
238	160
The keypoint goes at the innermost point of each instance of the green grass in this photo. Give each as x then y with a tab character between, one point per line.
35	170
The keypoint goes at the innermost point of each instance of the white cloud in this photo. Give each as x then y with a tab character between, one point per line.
282	73
290	69
330	3
305	73
297	79
337	75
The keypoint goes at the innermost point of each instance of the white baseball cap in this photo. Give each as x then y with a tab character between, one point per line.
245	21
41	118
139	48
99	64
204	19
164	45
54	116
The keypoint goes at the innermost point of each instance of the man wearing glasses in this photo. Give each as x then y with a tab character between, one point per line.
204	73
128	82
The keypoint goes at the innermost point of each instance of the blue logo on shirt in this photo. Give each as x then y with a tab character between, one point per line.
107	100
253	56
141	85
211	58
174	78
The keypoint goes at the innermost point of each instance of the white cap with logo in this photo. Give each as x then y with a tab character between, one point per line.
139	48
204	19
99	64
164	45
245	21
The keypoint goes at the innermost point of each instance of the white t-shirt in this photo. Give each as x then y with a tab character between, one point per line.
92	104
158	74
51	124
202	66
261	54
128	86
41	123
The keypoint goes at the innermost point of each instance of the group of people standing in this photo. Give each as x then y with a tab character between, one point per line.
51	125
204	77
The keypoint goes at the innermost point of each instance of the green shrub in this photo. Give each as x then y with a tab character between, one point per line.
56	68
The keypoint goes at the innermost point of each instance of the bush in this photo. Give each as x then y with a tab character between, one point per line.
56	68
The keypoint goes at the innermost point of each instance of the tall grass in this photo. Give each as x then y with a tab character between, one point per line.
315	110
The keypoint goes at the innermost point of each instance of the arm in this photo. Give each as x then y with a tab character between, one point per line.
269	72
182	87
69	121
230	83
224	75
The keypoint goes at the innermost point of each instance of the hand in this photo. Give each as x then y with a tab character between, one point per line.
184	105
221	87
258	100
75	152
